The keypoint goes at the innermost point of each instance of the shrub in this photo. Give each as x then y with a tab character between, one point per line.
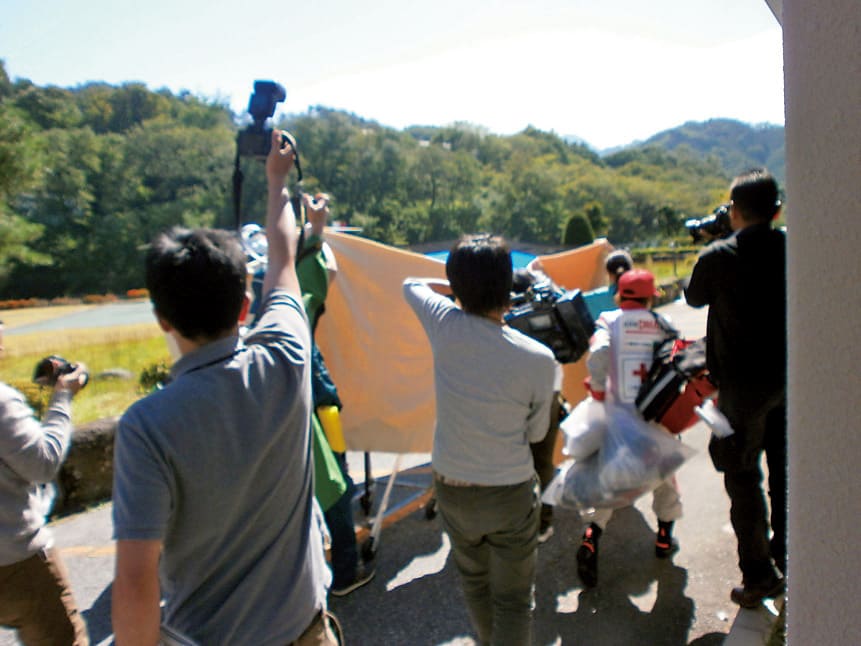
20	303
154	376
96	299
65	300
38	397
578	231
138	293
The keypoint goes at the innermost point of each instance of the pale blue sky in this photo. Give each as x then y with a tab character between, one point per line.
609	71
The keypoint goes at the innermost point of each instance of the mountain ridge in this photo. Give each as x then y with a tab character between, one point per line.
734	145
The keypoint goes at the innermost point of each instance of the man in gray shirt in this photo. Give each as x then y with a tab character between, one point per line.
213	481
494	389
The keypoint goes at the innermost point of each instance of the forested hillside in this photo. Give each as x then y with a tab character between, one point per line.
735	145
89	174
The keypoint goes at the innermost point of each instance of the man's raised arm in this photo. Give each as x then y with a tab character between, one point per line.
280	221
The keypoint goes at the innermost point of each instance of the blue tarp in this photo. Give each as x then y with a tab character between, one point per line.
519	259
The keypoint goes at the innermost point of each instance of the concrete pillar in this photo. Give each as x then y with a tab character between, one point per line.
822	68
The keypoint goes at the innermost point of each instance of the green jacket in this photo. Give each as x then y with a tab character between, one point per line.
329	483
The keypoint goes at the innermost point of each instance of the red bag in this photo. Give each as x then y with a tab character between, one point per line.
677	382
680	415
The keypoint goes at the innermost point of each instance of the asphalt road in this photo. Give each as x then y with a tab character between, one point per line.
415	598
112	314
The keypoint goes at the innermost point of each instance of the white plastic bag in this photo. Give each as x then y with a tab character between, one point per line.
577	485
636	453
634	457
584	429
716	420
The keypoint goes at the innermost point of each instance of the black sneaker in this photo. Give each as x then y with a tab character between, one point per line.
587	556
363	576
665	544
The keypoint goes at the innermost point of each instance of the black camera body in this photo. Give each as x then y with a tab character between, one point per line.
711	227
256	140
51	368
558	319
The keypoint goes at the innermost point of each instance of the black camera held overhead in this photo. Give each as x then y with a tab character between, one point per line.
51	368
557	318
711	227
255	140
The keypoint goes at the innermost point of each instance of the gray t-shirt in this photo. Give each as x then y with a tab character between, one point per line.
30	456
494	389
217	465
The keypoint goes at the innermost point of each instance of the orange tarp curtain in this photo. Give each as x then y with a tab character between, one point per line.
377	351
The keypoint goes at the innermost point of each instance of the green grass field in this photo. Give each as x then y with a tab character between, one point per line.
132	348
664	268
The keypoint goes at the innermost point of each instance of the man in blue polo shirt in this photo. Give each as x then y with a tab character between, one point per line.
213	486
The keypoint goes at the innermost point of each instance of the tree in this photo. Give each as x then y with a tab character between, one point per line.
527	203
20	157
595	215
578	231
670	220
132	104
89	174
49	107
5	81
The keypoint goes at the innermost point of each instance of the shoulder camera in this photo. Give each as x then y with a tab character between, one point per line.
559	319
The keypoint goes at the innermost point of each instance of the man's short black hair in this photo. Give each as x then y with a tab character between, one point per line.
196	280
756	195
480	274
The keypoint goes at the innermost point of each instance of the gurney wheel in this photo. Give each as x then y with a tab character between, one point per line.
430	509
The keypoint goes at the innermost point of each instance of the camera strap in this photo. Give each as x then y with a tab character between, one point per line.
288	139
237	191
296	197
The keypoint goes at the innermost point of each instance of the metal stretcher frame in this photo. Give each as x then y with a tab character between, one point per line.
368	536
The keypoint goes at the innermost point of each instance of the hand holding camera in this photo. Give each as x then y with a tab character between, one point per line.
279	161
55	371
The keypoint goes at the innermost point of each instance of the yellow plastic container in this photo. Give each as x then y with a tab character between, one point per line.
330	420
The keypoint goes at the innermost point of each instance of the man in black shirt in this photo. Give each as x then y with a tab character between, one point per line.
742	279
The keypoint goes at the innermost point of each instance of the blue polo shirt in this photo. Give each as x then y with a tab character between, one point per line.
217	465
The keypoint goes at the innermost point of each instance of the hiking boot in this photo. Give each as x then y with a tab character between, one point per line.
587	556
665	544
363	575
750	596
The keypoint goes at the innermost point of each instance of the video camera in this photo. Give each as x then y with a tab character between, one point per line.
559	319
256	140
713	226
